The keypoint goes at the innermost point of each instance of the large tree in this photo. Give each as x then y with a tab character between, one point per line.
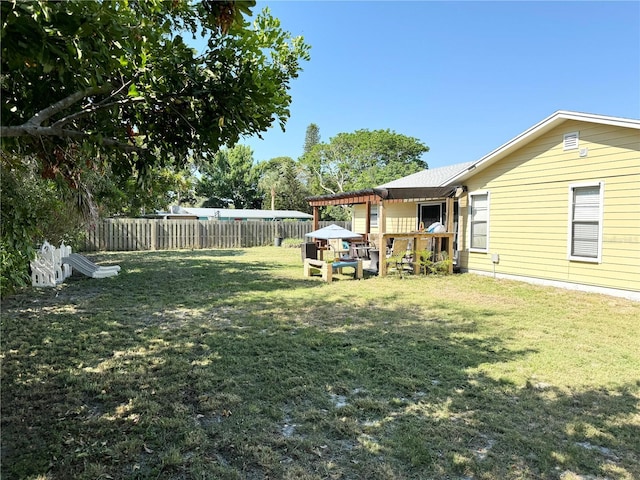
162	188
281	185
362	159
230	179
119	77
311	138
110	97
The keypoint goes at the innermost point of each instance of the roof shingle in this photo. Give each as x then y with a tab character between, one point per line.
433	177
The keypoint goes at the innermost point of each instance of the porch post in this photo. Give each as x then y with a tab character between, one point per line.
449	207
316	218
382	247
450	223
367	222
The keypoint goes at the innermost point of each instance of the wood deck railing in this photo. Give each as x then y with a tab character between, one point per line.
418	241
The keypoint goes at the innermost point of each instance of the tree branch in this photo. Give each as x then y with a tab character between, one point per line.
38	131
94	108
59	106
321	182
33	127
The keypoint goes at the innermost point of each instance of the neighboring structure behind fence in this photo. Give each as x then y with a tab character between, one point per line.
125	234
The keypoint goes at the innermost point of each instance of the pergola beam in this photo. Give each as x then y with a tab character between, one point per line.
346	200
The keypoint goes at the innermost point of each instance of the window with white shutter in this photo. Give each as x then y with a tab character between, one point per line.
585	225
479	221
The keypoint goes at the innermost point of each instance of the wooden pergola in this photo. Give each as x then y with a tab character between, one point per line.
367	197
382	197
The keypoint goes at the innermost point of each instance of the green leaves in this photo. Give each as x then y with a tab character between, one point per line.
172	99
281	185
133	91
38	211
229	179
107	96
362	159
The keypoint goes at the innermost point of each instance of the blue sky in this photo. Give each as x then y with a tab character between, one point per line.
462	77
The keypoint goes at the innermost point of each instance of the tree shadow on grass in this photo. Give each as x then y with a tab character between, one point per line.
214	371
487	429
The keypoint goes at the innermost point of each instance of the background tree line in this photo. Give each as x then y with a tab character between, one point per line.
349	161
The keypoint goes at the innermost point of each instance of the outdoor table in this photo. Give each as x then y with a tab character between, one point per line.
359	250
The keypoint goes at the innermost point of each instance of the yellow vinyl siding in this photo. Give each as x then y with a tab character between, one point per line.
401	217
359	223
529	207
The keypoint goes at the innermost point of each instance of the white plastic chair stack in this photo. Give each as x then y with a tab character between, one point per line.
43	269
65	251
47	270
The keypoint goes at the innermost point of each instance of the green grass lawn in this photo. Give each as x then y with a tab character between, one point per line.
229	364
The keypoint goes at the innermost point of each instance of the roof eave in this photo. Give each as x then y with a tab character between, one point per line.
418	193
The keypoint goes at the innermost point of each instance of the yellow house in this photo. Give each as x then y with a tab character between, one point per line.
559	205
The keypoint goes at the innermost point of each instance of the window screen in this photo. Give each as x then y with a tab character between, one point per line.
479	220
585	222
373	218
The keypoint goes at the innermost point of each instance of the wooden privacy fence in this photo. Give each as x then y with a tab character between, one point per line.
126	234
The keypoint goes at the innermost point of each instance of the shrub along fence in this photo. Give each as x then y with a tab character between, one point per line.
127	234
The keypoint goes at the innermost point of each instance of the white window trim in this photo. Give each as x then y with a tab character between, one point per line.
420	204
473	194
574	258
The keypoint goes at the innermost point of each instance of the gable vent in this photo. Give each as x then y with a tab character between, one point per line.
571	141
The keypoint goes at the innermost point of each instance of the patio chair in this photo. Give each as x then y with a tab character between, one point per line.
338	247
359	250
397	260
374	255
